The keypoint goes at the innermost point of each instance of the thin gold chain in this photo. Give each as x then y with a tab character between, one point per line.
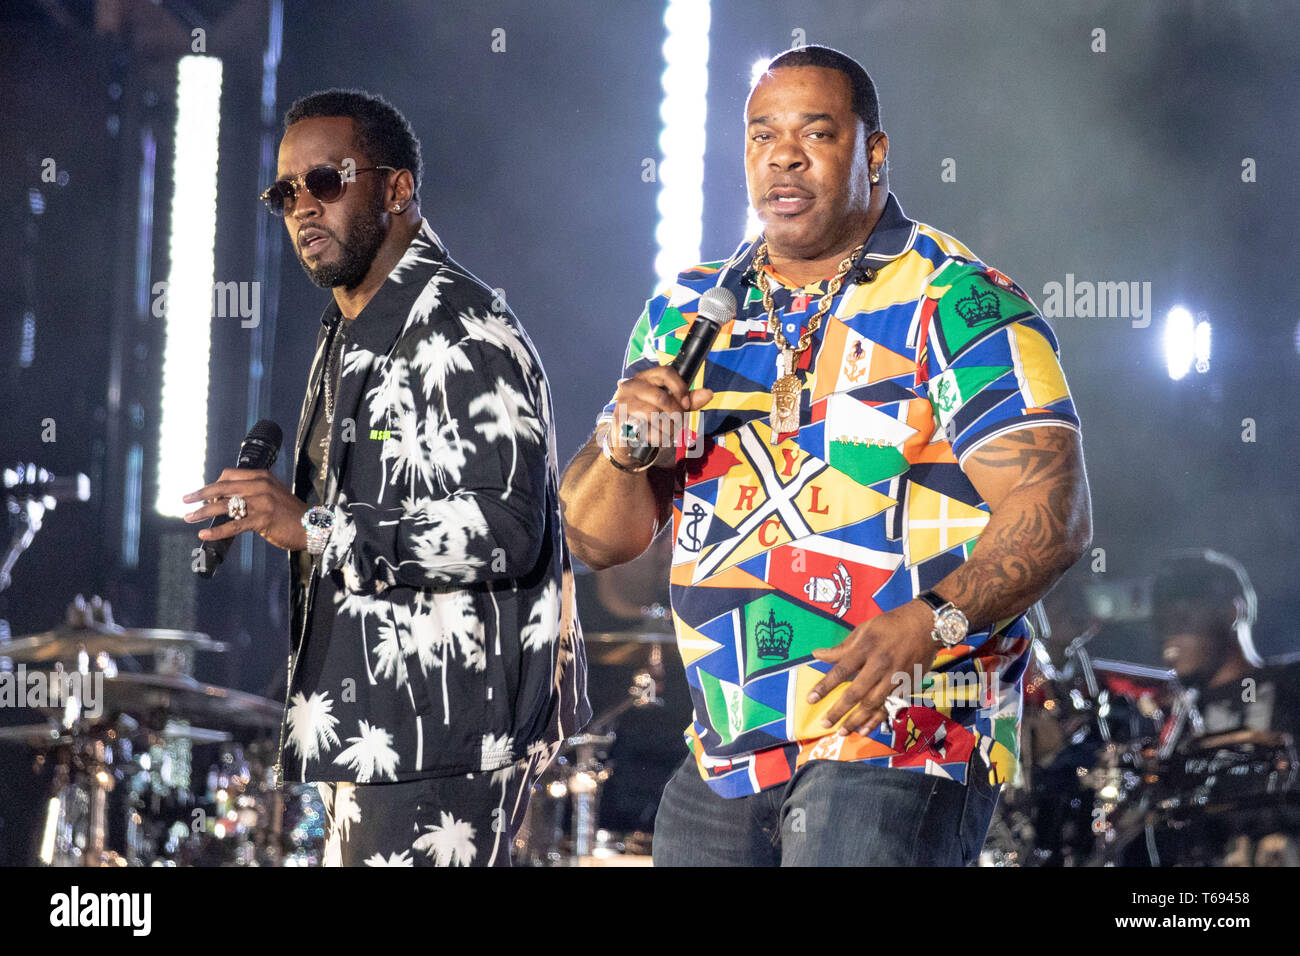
823	306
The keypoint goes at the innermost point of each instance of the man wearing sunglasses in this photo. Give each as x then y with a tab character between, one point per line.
436	657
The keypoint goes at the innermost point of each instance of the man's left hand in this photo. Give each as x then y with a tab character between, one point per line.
871	656
274	511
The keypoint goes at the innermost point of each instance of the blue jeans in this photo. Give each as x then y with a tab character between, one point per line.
831	813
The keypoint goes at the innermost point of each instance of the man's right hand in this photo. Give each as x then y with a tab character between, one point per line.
656	403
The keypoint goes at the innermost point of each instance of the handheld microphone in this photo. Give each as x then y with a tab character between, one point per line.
717	307
259	450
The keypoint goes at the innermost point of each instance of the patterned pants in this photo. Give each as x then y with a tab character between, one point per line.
467	820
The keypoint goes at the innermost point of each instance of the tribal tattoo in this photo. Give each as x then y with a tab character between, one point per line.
1041	523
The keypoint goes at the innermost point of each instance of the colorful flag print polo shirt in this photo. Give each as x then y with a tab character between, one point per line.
784	546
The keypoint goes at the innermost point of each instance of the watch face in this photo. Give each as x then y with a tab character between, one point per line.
951	627
319	518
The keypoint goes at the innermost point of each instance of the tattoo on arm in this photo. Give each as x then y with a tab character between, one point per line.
1037	530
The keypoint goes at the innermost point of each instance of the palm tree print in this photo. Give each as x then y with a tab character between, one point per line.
371	756
311	726
451	843
543	628
510	415
393	859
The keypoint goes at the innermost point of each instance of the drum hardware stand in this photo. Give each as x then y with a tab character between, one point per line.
590	771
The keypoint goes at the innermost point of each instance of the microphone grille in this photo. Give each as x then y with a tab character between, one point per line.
266	431
718	305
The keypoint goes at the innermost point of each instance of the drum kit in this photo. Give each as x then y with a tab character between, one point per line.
1116	771
120	750
563	822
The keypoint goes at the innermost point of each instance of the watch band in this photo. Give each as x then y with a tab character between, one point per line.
318	534
932	599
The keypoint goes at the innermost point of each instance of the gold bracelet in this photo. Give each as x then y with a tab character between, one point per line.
609	457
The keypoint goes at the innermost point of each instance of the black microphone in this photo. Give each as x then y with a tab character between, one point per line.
717	306
259	450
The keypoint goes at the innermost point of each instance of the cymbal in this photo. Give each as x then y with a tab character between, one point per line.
65	643
187	699
624	648
36	736
629	637
50	734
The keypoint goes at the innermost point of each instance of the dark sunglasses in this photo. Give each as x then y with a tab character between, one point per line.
325	183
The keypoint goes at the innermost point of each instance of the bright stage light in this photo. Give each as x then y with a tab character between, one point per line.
1201	345
683	110
1180	345
752	225
187	322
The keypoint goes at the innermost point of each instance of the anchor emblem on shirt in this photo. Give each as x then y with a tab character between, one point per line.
692	542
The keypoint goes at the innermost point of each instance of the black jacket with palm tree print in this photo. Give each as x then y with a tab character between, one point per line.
437	633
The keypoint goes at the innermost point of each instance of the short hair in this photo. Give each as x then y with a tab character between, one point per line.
864	101
1192	583
381	130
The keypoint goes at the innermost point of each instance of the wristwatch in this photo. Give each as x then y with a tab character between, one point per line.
319	522
950	624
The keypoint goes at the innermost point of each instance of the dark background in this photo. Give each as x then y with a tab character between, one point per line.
1123	165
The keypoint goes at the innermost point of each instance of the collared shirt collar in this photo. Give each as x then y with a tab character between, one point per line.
892	236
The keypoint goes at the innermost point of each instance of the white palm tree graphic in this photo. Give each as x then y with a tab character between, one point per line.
445	450
449	844
494	746
461	623
391	648
392	396
485	326
449	524
341	809
406	444
542	628
510	415
361	606
393	859
371	755
443	622
311	726
357	361
435	359
428	301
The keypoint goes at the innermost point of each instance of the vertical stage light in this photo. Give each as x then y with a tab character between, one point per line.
683	110
187	317
752	224
1180	335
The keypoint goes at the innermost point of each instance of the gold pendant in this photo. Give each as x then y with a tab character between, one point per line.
786	391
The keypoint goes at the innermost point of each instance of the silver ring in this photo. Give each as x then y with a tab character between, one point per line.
237	507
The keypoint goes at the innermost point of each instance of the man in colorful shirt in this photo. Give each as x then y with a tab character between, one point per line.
851	567
437	662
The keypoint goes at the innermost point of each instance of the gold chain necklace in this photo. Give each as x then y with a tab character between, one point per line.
787	388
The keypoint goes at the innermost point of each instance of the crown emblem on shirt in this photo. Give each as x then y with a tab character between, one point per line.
978	307
773	638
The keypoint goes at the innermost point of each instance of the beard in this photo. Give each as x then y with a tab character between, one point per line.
365	235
